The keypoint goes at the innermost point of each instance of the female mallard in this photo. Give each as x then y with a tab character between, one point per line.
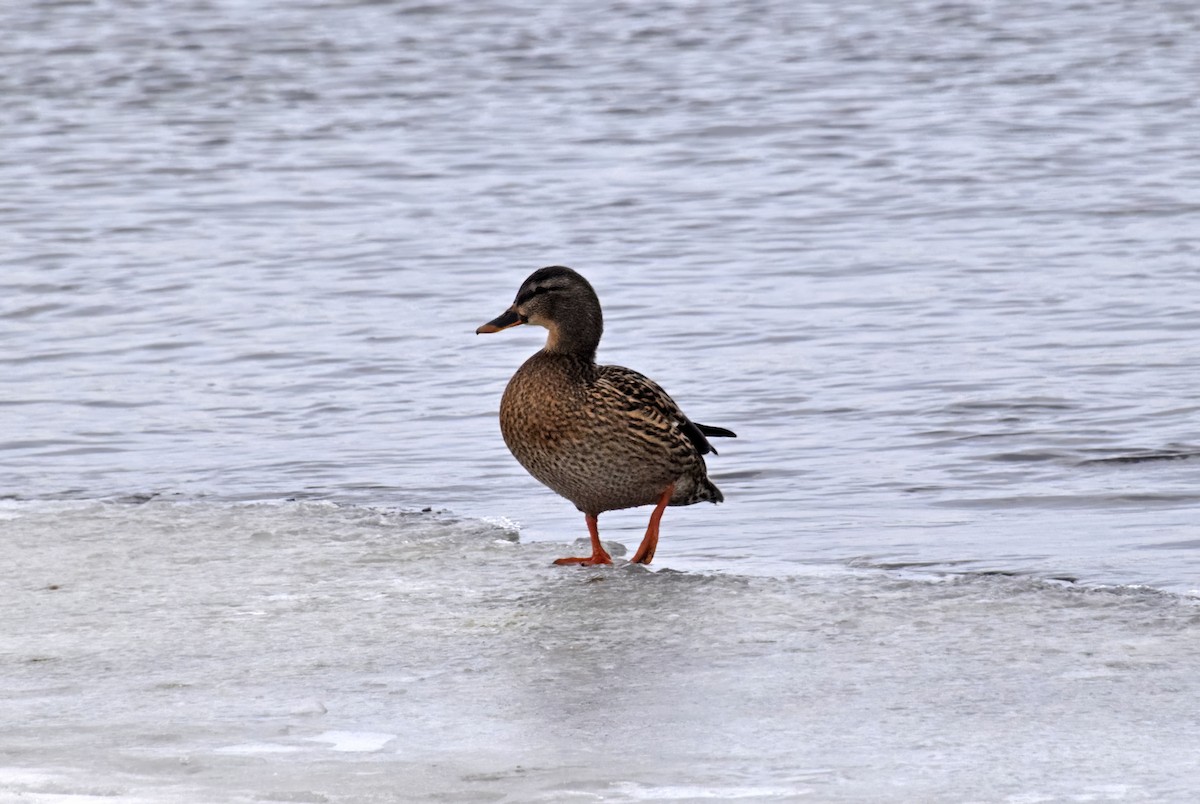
604	437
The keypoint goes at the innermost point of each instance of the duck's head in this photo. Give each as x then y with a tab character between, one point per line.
560	300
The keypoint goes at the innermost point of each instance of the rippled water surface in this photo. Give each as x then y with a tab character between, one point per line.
936	263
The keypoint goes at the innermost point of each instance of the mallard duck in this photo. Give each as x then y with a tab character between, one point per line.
604	437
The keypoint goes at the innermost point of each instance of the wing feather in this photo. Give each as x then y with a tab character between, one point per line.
652	411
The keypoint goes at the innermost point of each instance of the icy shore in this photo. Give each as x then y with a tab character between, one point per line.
304	652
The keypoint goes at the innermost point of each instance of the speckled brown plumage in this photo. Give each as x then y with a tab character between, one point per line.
604	437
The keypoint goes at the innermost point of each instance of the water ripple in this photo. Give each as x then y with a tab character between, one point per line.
922	257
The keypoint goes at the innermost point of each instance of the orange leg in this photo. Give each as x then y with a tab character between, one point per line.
645	551
599	554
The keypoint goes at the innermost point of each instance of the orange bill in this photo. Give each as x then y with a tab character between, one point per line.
508	318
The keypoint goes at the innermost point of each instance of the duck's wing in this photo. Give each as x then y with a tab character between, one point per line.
651	410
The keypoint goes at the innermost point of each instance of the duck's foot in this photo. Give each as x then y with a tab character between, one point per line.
599	554
584	561
645	551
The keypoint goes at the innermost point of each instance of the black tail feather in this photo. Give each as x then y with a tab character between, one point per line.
696	434
718	432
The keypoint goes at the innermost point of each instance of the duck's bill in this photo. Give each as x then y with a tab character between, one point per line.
505	320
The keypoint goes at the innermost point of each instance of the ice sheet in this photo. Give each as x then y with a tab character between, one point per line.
318	653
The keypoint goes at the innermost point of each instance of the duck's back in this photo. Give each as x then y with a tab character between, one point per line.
604	437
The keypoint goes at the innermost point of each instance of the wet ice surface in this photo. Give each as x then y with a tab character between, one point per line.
310	652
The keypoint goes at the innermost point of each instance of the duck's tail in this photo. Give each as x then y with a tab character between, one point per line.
712	493
689	491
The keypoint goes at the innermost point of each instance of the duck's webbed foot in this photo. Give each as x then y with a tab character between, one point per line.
599	554
584	561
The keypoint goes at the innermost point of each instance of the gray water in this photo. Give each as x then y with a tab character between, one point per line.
935	263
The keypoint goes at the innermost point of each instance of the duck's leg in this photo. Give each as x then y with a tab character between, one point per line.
599	554
645	551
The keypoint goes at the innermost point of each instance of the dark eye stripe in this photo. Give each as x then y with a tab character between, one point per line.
529	294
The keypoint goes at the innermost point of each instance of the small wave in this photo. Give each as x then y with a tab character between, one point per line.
1082	501
1148	456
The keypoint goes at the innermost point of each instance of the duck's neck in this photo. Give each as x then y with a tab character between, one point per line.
577	336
